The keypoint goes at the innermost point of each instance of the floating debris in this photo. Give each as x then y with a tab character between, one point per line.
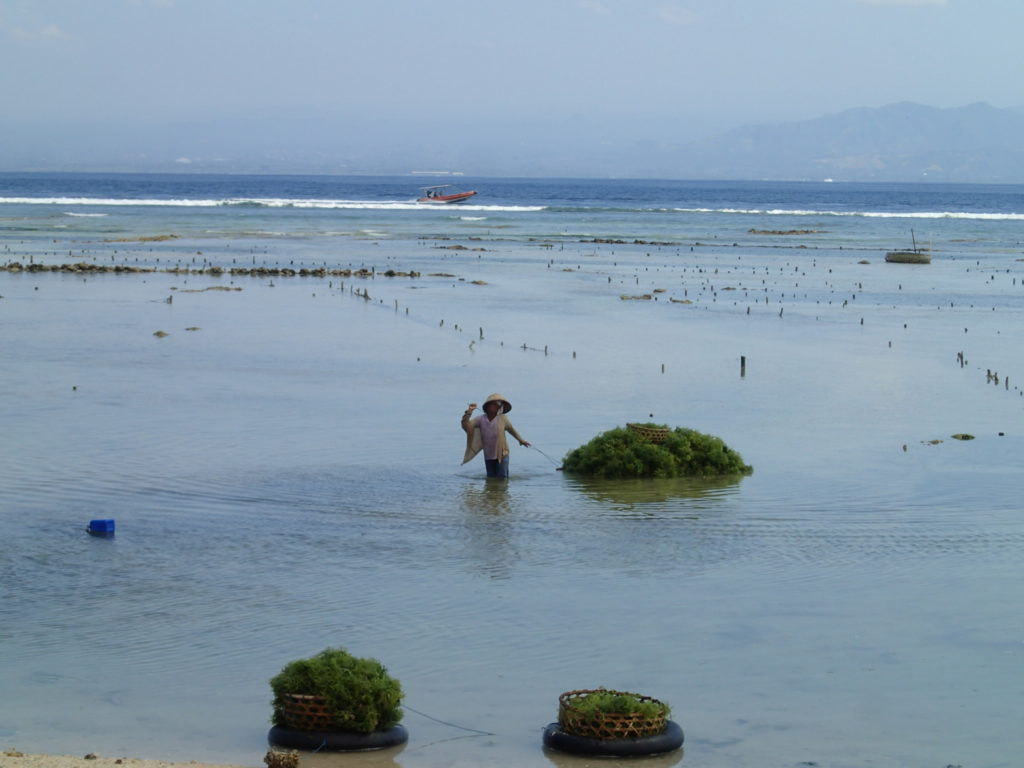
212	288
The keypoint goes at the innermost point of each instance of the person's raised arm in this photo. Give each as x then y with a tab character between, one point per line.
465	416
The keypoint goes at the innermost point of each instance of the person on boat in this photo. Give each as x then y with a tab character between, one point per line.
486	433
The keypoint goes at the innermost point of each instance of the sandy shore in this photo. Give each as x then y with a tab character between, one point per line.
13	759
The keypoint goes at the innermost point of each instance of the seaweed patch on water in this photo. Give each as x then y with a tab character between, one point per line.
786	231
655	450
144	239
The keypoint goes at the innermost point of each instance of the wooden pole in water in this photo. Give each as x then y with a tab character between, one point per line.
743	366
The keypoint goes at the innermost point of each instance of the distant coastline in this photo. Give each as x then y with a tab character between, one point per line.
901	142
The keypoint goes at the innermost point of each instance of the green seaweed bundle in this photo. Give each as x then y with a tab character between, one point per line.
360	694
604	702
621	452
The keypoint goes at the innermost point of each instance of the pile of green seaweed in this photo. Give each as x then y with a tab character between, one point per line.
631	452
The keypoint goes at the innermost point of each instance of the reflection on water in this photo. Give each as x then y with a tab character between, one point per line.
637	494
384	758
487	505
490	498
562	760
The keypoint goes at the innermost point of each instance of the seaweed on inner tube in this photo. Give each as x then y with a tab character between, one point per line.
682	452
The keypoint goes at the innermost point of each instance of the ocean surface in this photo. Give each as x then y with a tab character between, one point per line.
265	396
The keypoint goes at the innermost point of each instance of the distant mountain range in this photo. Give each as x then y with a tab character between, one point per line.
899	142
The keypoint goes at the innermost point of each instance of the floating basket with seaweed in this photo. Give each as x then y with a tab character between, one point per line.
335	691
654	450
303	712
605	715
650	432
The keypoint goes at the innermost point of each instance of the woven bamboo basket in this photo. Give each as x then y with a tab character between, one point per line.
656	435
307	713
608	725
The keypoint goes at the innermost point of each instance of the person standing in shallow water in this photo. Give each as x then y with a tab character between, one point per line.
487	433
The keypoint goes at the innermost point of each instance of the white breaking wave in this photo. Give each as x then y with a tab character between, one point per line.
411	205
85	215
382	205
862	214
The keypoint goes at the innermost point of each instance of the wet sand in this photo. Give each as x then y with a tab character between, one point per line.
13	759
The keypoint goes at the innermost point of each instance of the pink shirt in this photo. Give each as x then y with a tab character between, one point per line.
480	430
490	430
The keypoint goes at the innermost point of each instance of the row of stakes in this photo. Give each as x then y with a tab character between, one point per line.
990	376
364	294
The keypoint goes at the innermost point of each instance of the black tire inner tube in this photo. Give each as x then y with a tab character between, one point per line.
336	741
668	740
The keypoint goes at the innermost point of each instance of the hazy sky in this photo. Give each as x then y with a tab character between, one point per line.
738	60
684	68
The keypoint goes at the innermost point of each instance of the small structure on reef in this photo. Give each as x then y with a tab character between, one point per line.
654	450
914	256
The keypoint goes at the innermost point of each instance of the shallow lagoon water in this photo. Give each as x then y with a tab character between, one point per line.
287	477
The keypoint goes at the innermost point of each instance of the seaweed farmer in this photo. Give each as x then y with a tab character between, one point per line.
486	433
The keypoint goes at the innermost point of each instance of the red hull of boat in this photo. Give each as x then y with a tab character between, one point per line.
458	197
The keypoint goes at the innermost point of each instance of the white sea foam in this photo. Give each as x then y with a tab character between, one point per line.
411	205
85	215
380	205
96	201
863	214
472	218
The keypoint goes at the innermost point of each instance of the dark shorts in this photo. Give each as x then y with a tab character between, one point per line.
497	467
